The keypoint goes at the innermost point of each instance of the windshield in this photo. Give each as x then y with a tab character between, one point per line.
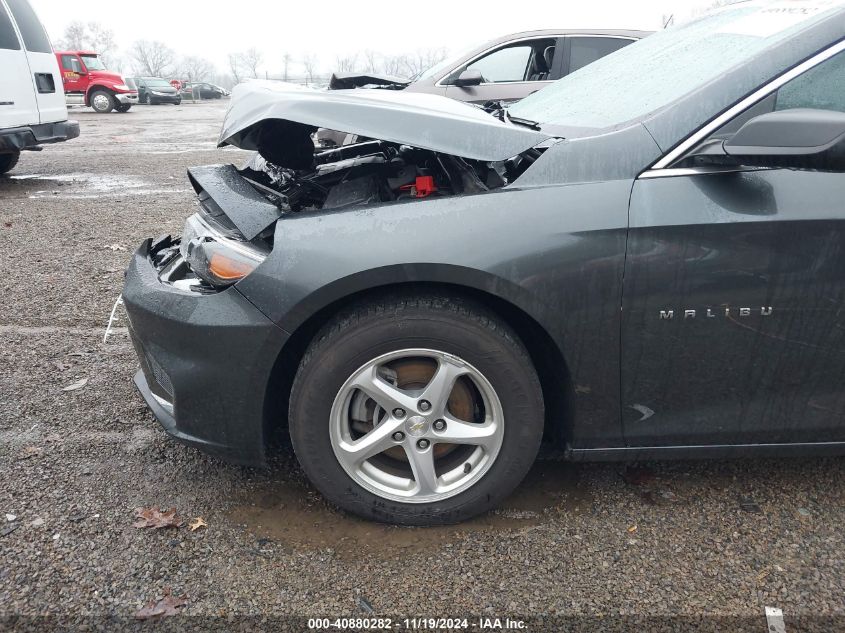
157	83
92	62
654	72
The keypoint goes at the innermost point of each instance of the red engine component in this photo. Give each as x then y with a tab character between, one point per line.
422	188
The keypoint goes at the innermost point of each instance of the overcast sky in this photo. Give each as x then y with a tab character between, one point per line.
332	28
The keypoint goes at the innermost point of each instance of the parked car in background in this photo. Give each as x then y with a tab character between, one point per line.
155	90
506	69
87	82
32	105
203	90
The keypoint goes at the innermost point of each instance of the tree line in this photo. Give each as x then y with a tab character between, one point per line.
153	58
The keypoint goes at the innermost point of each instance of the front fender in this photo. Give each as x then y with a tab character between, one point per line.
481	242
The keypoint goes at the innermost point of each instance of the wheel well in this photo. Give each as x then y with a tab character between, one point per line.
555	378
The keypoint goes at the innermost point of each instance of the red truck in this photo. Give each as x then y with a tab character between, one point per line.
87	82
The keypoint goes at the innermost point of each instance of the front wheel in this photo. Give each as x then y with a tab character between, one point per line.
102	101
8	162
416	410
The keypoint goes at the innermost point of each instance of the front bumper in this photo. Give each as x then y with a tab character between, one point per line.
177	99
205	362
31	136
126	98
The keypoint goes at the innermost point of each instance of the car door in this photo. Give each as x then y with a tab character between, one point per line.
72	74
17	95
511	71
43	68
734	296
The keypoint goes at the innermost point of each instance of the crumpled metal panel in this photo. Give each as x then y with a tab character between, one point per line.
248	210
343	81
425	121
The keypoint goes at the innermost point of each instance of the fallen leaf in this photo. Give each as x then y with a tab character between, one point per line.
29	451
762	575
165	607
79	384
155	518
115	247
632	529
197	523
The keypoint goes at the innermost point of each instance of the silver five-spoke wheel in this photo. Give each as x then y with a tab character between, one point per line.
416	425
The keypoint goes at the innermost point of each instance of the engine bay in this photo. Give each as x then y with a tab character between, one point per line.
292	175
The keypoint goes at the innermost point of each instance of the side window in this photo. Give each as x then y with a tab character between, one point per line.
8	37
71	63
822	88
586	50
34	37
505	64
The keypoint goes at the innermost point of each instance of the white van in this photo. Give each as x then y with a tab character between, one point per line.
32	101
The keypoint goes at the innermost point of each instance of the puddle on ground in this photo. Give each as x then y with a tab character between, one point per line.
82	186
297	518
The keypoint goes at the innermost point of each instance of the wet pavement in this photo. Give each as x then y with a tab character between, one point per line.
575	540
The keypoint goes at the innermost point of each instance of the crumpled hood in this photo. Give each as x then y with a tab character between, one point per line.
342	81
425	121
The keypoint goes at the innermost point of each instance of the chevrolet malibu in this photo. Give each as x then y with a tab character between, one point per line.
644	260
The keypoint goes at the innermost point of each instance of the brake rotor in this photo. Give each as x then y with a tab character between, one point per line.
413	375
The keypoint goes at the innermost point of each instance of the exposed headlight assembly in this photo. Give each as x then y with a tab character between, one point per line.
215	256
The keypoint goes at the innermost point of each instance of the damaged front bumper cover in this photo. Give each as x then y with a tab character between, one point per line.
204	361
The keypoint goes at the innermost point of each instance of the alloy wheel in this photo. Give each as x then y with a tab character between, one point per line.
416	425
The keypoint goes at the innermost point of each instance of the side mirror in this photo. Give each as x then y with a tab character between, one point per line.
792	139
469	78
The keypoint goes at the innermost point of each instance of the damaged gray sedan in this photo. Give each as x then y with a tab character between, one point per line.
419	310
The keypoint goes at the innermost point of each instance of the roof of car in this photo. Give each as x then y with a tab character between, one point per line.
559	32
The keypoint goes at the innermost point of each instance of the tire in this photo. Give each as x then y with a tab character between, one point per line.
179	102
401	335
8	162
123	107
146	99
102	101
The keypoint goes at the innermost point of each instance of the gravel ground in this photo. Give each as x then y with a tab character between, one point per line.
597	541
